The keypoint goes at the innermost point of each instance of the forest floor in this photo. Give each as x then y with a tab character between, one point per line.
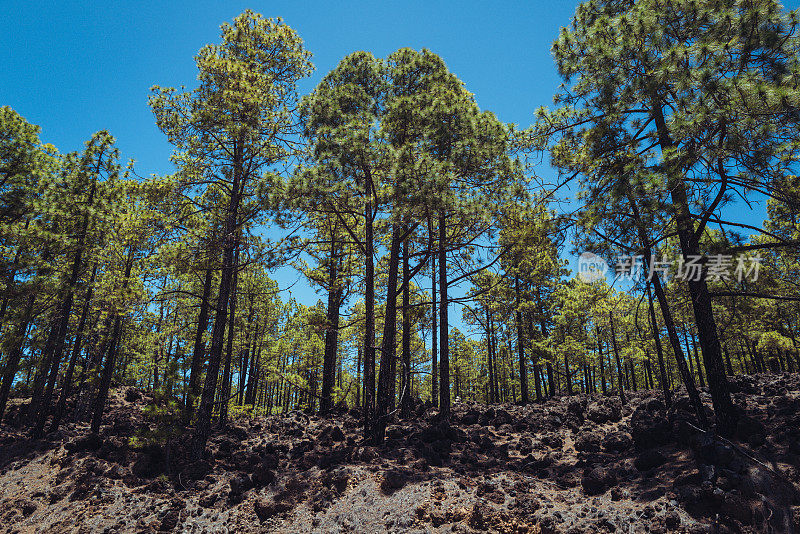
572	464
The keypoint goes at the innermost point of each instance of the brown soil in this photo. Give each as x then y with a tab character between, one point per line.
573	464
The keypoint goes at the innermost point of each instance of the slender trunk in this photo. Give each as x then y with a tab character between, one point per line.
369	319
108	370
489	357
51	359
15	354
659	350
158	348
616	356
698	288
550	380
332	330
405	393
699	367
386	378
199	346
226	372
669	323
602	366
206	408
245	369
360	352
523	369
536	382
434	324
254	349
76	350
444	339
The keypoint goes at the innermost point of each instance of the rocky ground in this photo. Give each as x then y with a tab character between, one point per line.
572	465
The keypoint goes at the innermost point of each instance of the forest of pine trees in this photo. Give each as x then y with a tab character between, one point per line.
409	209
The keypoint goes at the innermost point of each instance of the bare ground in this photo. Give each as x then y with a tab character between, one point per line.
572	464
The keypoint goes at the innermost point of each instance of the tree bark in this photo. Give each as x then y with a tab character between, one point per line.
206	409
698	289
386	377
15	354
405	394
108	370
444	340
523	369
198	352
369	319
620	379
226	372
332	330
66	385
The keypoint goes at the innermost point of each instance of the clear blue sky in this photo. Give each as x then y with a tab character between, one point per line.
77	67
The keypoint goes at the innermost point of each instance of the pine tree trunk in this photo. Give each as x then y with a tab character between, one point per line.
226	372
206	408
602	366
444	340
369	319
669	323
434	339
386	378
51	359
698	289
199	346
699	367
523	369
15	354
550	381
66	385
332	330
254	348
405	393
108	370
620	379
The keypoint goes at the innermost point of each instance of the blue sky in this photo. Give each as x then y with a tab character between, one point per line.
77	67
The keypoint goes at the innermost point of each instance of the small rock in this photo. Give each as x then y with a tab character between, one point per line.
649	459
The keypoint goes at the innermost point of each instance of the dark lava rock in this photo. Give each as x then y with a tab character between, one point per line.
576	408
267	509
151	462
649	426
596	481
393	480
481	517
240	483
736	507
553	441
617	442
336	434
262	475
649	459
605	411
750	428
170	521
89	442
501	417
27	508
470	418
672	520
587	442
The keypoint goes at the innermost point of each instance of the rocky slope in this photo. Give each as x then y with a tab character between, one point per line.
573	465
